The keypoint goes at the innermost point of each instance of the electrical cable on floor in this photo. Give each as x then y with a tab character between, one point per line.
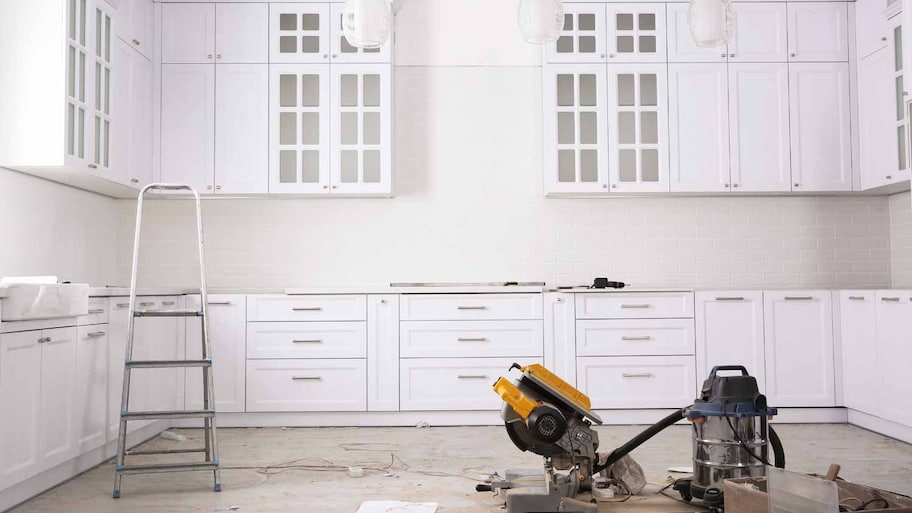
741	442
672	482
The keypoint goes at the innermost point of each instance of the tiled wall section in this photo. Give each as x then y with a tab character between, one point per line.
470	207
901	239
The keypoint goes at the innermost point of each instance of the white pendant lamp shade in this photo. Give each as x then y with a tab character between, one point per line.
710	22
367	23
541	21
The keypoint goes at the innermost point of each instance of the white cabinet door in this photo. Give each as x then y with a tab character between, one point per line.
80	90
730	332
20	394
342	52
435	384
820	127
361	123
306	385
900	169
142	16
105	76
681	46
759	34
799	348
637	381
58	373
871	28
636	32
188	33
299	129
758	100
858	334
876	119
575	134
227	336
583	38
241	128
122	111
698	121
241	33
637	95
91	387
139	172
298	33
818	31
187	124
894	352
383	352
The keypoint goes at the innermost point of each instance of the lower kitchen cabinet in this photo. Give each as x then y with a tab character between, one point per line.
729	331
634	337
306	385
505	339
858	335
227	336
799	348
637	381
894	353
91	387
433	384
58	373
20	401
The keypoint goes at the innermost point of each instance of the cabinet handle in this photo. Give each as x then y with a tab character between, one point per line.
472	376
729	298
884	39
856	298
96	311
636	306
218	187
308	341
723	55
306	308
799	298
93	166
726	185
122	305
736	185
209	56
208	187
326	56
134	180
889	177
136	42
218	303
168	303
471	308
731	55
218	56
794	55
306	378
611	55
96	334
637	374
645	337
44	340
147	304
472	339
602	56
890	299
797	185
335	56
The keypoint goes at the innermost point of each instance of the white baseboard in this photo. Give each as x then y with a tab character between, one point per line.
883	426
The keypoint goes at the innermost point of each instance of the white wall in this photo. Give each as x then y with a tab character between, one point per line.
901	239
48	228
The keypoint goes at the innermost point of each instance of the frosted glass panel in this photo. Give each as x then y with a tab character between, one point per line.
647	21
649	127
310	44
901	140
588	128
626	90
71	72
899	98
625	44
565	91
565	44
649	91
587	44
107	91
589	166
349	90
371	122
647	44
287	166
81	127
587	91
568	22
310	90
624	21
71	115
288	128
587	22
310	128
566	166
81	72
310	166
626	127
565	128
346	48
627	165
310	21
371	90
288	22
71	32
288	85
349	166
371	166
349	128
650	165
288	44
897	48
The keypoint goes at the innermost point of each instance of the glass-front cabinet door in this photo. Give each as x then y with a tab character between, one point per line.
344	52
575	128
900	170
299	33
78	84
299	129
637	95
360	161
583	36
101	103
636	32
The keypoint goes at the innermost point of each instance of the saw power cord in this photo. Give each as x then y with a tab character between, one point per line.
663	490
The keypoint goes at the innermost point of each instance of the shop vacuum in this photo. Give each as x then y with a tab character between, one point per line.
545	415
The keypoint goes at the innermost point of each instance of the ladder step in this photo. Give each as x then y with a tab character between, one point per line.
165	467
161	415
164	451
163	364
181	312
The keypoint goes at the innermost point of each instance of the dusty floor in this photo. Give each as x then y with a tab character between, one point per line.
428	464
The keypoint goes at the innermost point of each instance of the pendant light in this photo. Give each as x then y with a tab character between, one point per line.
367	23
541	21
710	22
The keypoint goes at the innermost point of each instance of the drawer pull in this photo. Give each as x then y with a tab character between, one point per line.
96	311
472	339
168	303
122	305
637	374
636	306
44	340
643	337
219	302
471	308
856	298
730	298
799	298
472	376
308	341
890	299
96	334
306	308
147	304
306	378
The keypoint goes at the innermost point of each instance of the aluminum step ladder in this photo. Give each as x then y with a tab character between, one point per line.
210	448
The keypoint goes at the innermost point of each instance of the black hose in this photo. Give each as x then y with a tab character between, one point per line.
639	440
776	444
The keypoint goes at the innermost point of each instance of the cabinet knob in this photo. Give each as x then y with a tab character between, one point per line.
793	55
726	186
326	56
889	177
325	187
604	186
736	185
93	166
218	187
335	186
797	185
731	55
209	56
884	39
335	56
611	55
136	42
208	187
218	56
602	56
723	55
134	180
614	186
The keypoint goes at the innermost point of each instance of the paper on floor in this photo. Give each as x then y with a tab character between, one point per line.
397	507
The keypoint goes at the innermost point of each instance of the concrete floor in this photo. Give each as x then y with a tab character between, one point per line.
430	464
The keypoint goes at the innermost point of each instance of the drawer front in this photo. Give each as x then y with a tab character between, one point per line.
307	308
306	385
624	305
637	381
513	339
429	384
98	312
306	340
635	337
452	307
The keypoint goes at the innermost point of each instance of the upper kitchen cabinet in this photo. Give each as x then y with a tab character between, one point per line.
342	52
132	103
872	30
819	108
583	38
187	124
681	46
818	32
575	128
299	33
135	25
636	32
222	33
759	33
